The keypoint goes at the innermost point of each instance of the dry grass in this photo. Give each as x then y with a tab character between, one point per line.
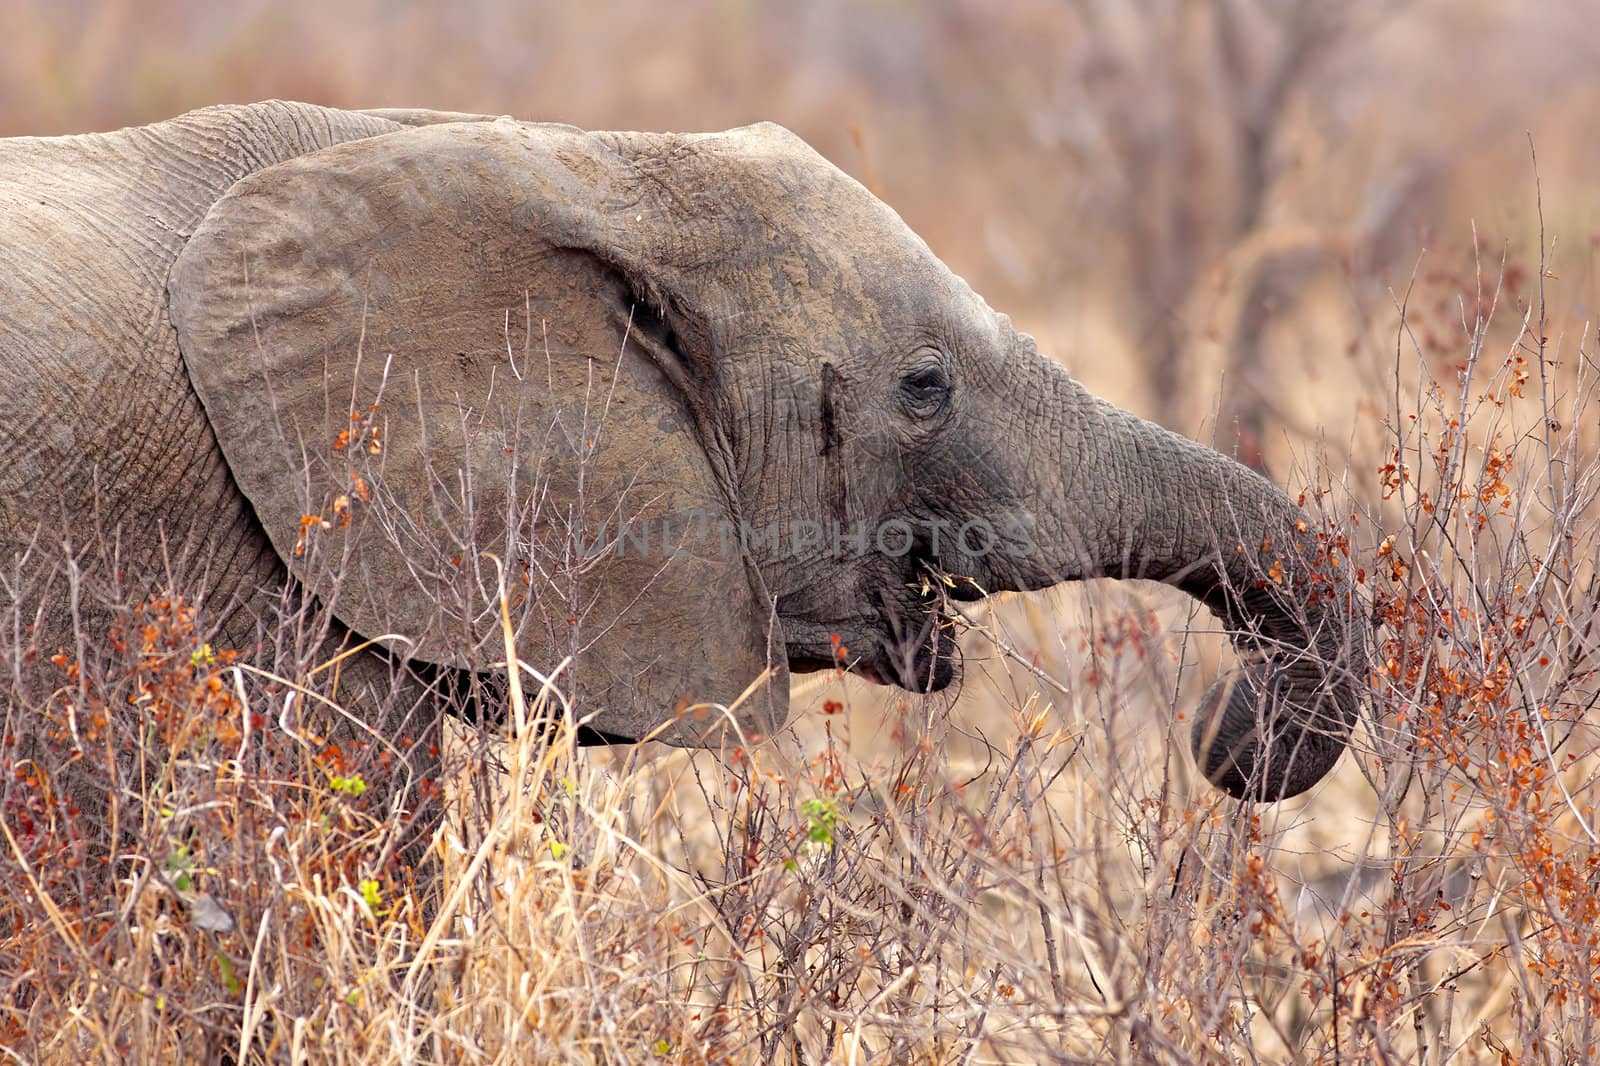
1032	875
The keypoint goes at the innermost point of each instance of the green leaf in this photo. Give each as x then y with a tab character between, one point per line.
822	817
225	967
180	868
351	786
372	895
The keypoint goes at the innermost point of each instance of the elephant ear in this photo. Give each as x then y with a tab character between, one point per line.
423	349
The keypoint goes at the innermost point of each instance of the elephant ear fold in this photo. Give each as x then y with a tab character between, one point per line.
422	350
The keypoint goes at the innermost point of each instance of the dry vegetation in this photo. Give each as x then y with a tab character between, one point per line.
1030	872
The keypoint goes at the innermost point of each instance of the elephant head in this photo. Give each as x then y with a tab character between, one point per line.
715	409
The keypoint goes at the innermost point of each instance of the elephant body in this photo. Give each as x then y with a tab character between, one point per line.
671	393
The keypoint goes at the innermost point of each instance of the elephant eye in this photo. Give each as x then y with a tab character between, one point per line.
925	391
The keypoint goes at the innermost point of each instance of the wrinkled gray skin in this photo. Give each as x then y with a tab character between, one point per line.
551	328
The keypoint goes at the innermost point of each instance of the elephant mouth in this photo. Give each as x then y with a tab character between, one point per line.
916	653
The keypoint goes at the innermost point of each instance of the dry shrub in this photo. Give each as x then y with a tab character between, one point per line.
1032	874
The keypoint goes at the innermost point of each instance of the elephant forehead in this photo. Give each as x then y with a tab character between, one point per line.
764	177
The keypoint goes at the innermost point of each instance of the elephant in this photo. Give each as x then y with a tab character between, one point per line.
712	409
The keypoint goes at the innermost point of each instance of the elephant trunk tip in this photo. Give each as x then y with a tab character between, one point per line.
1265	736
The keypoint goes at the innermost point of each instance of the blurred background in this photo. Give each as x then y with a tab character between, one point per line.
1205	208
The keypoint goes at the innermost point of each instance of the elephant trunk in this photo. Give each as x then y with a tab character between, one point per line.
1117	496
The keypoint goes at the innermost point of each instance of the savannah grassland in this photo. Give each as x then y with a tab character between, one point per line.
1354	244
